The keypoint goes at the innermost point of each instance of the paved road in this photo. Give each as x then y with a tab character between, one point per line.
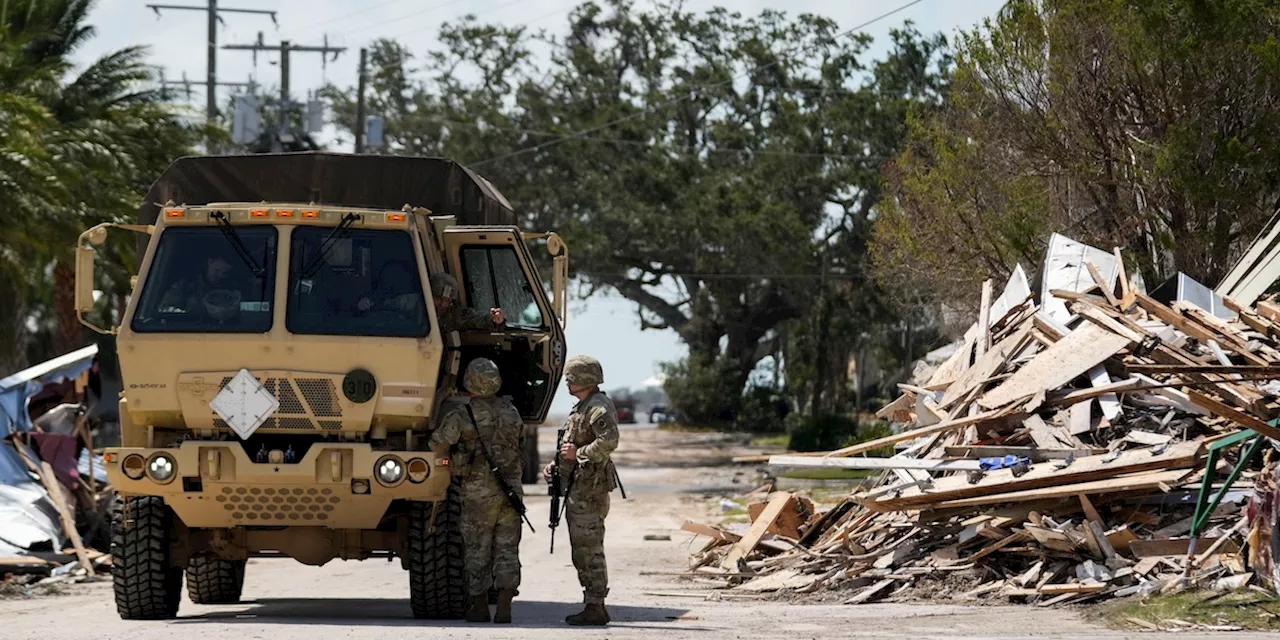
288	601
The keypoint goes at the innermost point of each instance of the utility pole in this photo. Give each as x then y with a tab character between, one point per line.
214	15
285	48
360	86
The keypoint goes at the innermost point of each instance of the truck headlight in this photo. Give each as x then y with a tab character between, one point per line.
162	468
389	471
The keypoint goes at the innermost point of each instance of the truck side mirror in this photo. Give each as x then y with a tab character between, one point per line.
84	279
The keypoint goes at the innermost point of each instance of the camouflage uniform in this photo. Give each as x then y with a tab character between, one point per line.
490	527
592	427
456	317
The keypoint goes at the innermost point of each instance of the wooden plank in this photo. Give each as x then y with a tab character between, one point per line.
710	532
1188	326
68	521
984	321
1082	349
874	463
941	427
1126	290
1134	482
1040	432
1121	538
985	367
1075	587
1268	310
1036	454
748	543
870	592
1050	539
957	363
996	546
1176	547
1230	413
1045	474
1089	511
1102	284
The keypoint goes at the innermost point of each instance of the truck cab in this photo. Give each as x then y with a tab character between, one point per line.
283	365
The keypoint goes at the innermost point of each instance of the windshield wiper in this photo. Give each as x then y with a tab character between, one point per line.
224	225
340	231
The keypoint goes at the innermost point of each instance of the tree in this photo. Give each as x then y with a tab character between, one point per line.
1148	124
101	135
725	157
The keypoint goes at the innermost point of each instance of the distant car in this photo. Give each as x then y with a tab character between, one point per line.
626	415
660	414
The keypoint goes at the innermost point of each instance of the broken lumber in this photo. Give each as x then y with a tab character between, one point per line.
758	529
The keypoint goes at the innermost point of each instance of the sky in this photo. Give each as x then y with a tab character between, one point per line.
604	326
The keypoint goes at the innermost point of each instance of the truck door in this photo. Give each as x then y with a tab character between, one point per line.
495	269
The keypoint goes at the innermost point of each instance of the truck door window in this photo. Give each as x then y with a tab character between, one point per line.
198	282
493	277
366	284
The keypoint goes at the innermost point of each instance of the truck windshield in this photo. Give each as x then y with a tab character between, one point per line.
365	284
198	282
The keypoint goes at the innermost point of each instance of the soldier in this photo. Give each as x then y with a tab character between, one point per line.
591	435
452	316
486	425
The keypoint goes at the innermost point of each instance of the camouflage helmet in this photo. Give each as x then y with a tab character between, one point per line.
482	377
444	286
583	371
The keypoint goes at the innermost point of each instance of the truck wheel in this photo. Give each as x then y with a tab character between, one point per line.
529	475
437	577
215	580
146	586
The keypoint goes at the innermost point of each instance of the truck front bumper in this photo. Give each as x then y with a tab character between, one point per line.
215	484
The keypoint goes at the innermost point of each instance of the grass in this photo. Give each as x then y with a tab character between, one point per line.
684	428
777	441
1244	608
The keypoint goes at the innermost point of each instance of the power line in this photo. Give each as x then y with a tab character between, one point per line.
356	13
648	110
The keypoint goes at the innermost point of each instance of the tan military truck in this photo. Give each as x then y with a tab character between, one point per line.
283	367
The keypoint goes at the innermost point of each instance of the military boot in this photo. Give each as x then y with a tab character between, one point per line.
479	611
503	614
594	614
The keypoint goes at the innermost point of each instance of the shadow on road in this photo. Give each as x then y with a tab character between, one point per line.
394	612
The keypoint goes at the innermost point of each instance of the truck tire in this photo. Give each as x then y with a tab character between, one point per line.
215	580
437	577
529	475
146	586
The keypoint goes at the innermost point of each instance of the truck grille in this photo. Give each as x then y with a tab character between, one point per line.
249	504
321	401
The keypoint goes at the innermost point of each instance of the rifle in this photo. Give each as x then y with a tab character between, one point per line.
513	498
558	488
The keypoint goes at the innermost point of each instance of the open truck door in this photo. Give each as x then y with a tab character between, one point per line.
495	269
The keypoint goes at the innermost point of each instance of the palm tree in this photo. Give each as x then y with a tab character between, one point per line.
105	133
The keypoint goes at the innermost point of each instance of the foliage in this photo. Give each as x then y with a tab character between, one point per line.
725	162
77	147
1147	124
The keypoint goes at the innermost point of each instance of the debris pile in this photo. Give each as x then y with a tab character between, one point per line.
54	497
1079	448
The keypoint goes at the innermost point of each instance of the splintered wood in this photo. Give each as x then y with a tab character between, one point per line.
1062	444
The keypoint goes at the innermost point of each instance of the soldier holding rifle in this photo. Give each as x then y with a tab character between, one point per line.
584	474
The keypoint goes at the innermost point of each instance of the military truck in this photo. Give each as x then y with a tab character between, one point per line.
283	367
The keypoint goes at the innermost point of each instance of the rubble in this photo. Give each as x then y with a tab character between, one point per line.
54	499
1060	455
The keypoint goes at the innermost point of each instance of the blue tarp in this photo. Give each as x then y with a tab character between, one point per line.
18	388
